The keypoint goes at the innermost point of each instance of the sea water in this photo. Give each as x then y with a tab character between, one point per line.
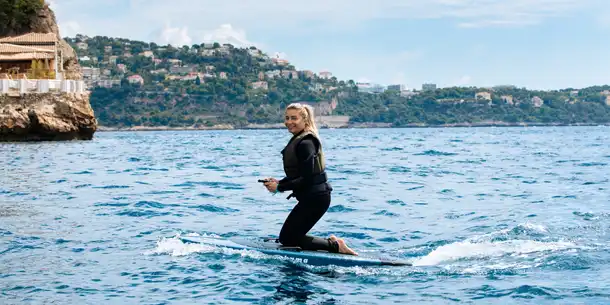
509	215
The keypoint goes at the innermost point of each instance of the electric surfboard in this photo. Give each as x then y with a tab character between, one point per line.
272	246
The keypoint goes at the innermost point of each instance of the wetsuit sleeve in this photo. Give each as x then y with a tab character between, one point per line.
306	152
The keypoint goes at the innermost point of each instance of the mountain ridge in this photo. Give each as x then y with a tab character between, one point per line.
137	83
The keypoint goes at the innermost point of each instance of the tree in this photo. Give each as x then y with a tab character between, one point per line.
17	16
162	102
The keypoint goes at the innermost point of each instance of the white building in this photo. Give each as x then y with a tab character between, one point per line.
370	88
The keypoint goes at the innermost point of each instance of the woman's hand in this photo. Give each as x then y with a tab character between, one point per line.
271	184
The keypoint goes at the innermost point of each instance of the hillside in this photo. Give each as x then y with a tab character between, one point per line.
136	83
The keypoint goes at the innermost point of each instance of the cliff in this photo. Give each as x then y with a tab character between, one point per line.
43	116
46	116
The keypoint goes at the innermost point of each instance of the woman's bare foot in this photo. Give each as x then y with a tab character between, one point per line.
343	248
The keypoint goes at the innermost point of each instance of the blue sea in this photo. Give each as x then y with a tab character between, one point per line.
508	215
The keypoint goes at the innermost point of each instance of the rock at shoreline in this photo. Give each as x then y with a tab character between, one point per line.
46	116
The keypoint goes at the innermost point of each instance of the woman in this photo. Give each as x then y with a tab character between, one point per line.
305	177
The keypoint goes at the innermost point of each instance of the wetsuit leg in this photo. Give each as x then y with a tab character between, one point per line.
301	219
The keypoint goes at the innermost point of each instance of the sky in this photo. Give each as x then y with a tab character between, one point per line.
537	44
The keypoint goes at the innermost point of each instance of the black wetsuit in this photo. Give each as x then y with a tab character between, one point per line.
313	202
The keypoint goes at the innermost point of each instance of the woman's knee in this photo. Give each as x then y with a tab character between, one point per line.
288	239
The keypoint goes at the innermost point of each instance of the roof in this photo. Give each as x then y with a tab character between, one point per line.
40	48
25	56
31	38
11	48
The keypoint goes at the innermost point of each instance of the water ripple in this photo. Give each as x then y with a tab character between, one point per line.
514	215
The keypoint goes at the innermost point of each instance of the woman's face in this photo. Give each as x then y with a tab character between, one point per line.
294	121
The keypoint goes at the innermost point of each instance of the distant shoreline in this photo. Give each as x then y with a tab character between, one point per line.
349	126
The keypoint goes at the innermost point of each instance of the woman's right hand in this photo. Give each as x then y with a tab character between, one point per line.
272	180
271	184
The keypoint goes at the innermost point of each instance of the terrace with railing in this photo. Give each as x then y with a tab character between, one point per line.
32	86
32	63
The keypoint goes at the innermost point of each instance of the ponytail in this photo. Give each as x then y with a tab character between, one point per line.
310	121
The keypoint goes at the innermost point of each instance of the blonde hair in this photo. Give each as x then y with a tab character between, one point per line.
307	114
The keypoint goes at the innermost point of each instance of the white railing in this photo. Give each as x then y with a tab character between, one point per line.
24	86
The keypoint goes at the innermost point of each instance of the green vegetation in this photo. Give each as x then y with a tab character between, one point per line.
457	105
17	15
204	85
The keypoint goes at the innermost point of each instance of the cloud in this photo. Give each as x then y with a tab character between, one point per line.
231	19
320	34
226	33
486	13
69	28
502	11
276	13
179	36
176	36
496	23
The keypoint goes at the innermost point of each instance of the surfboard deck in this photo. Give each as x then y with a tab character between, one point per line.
270	246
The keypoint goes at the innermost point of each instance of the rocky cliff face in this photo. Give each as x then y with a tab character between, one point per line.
46	23
47	116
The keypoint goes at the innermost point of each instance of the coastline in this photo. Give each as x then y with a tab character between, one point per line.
345	126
